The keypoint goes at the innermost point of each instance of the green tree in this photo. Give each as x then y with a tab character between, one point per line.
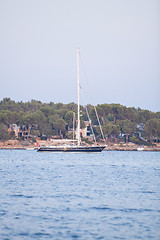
110	117
46	111
60	126
47	130
157	115
126	126
69	118
72	107
152	128
38	118
144	115
111	129
3	132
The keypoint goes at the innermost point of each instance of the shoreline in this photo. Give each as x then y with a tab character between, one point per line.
132	147
19	145
106	150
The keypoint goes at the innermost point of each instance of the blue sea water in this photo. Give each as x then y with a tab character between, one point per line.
108	195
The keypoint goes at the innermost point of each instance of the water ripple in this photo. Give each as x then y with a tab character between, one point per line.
113	195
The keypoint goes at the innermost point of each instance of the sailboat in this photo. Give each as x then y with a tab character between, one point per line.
79	147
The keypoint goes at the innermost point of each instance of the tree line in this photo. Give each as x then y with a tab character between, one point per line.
50	119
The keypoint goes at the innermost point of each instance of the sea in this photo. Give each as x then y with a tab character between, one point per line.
107	195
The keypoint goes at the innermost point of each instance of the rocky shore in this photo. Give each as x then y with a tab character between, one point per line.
15	144
22	145
131	147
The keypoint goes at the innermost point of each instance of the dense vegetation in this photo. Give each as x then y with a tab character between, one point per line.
50	119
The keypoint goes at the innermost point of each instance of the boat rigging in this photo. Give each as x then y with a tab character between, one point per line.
78	147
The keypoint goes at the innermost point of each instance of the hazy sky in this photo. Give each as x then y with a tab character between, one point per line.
119	43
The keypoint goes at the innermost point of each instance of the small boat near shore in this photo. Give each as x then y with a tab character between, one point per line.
140	148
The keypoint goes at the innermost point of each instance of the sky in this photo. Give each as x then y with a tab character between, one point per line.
119	42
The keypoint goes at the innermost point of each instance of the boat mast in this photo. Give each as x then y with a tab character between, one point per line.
78	127
73	124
